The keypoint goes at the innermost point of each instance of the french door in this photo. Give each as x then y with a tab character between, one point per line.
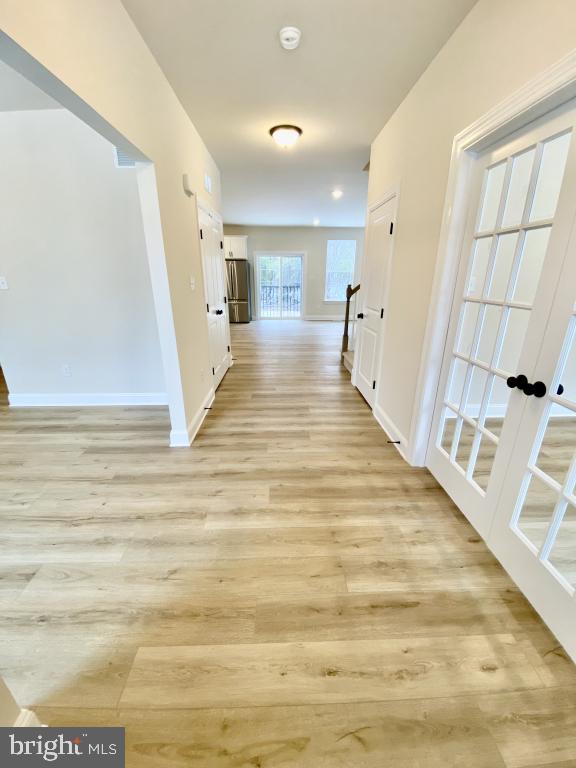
534	528
504	431
279	282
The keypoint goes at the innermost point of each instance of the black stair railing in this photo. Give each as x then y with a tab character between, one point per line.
349	293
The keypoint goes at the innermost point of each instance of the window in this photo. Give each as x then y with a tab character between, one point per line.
340	258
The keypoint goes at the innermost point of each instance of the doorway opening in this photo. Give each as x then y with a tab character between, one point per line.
279	285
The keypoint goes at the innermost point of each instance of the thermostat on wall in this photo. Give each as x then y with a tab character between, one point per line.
187	186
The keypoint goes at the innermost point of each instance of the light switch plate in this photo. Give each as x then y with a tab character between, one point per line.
3	284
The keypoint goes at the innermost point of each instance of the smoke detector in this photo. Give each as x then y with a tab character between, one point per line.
290	38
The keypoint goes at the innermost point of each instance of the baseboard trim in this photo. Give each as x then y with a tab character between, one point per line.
183	438
27	719
393	432
326	318
347	362
86	400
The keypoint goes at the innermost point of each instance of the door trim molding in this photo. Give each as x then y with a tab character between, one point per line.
184	438
548	90
391	430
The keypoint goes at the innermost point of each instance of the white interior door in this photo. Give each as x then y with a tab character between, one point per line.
215	290
279	285
379	240
513	252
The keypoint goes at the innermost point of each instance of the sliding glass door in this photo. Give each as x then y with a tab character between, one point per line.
279	283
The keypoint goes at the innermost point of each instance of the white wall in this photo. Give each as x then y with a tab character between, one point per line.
498	47
313	241
90	57
72	249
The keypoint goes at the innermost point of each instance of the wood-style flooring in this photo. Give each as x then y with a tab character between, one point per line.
287	593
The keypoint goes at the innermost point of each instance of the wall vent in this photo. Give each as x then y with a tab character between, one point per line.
123	160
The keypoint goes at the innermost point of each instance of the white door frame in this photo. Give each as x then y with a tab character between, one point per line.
544	93
303	256
25	64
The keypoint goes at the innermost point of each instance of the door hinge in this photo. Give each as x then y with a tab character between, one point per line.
221	245
381	313
391	227
201	235
225	300
213	371
207	307
373	385
228	347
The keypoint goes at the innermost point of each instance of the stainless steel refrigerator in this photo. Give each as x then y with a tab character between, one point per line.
238	287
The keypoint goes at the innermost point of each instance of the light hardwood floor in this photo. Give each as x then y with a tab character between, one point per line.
285	593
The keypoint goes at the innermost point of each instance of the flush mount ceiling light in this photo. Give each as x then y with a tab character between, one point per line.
337	193
285	135
290	38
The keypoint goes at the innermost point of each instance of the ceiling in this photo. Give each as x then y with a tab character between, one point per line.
356	62
17	93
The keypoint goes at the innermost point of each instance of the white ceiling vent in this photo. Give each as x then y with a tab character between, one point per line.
290	38
123	160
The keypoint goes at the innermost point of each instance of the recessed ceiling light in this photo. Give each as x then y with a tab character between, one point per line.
337	193
285	135
290	38
316	222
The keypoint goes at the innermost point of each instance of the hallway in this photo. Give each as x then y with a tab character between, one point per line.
286	592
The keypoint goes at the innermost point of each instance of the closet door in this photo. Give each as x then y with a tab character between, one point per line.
215	293
512	255
379	239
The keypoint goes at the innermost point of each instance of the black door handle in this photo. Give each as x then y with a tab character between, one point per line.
529	389
360	315
517	381
539	389
560	390
219	311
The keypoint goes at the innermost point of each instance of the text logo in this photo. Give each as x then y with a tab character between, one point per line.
33	747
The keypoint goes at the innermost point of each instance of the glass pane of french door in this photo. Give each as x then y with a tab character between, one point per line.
506	257
545	514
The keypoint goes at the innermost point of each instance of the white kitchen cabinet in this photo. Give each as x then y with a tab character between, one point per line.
236	247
